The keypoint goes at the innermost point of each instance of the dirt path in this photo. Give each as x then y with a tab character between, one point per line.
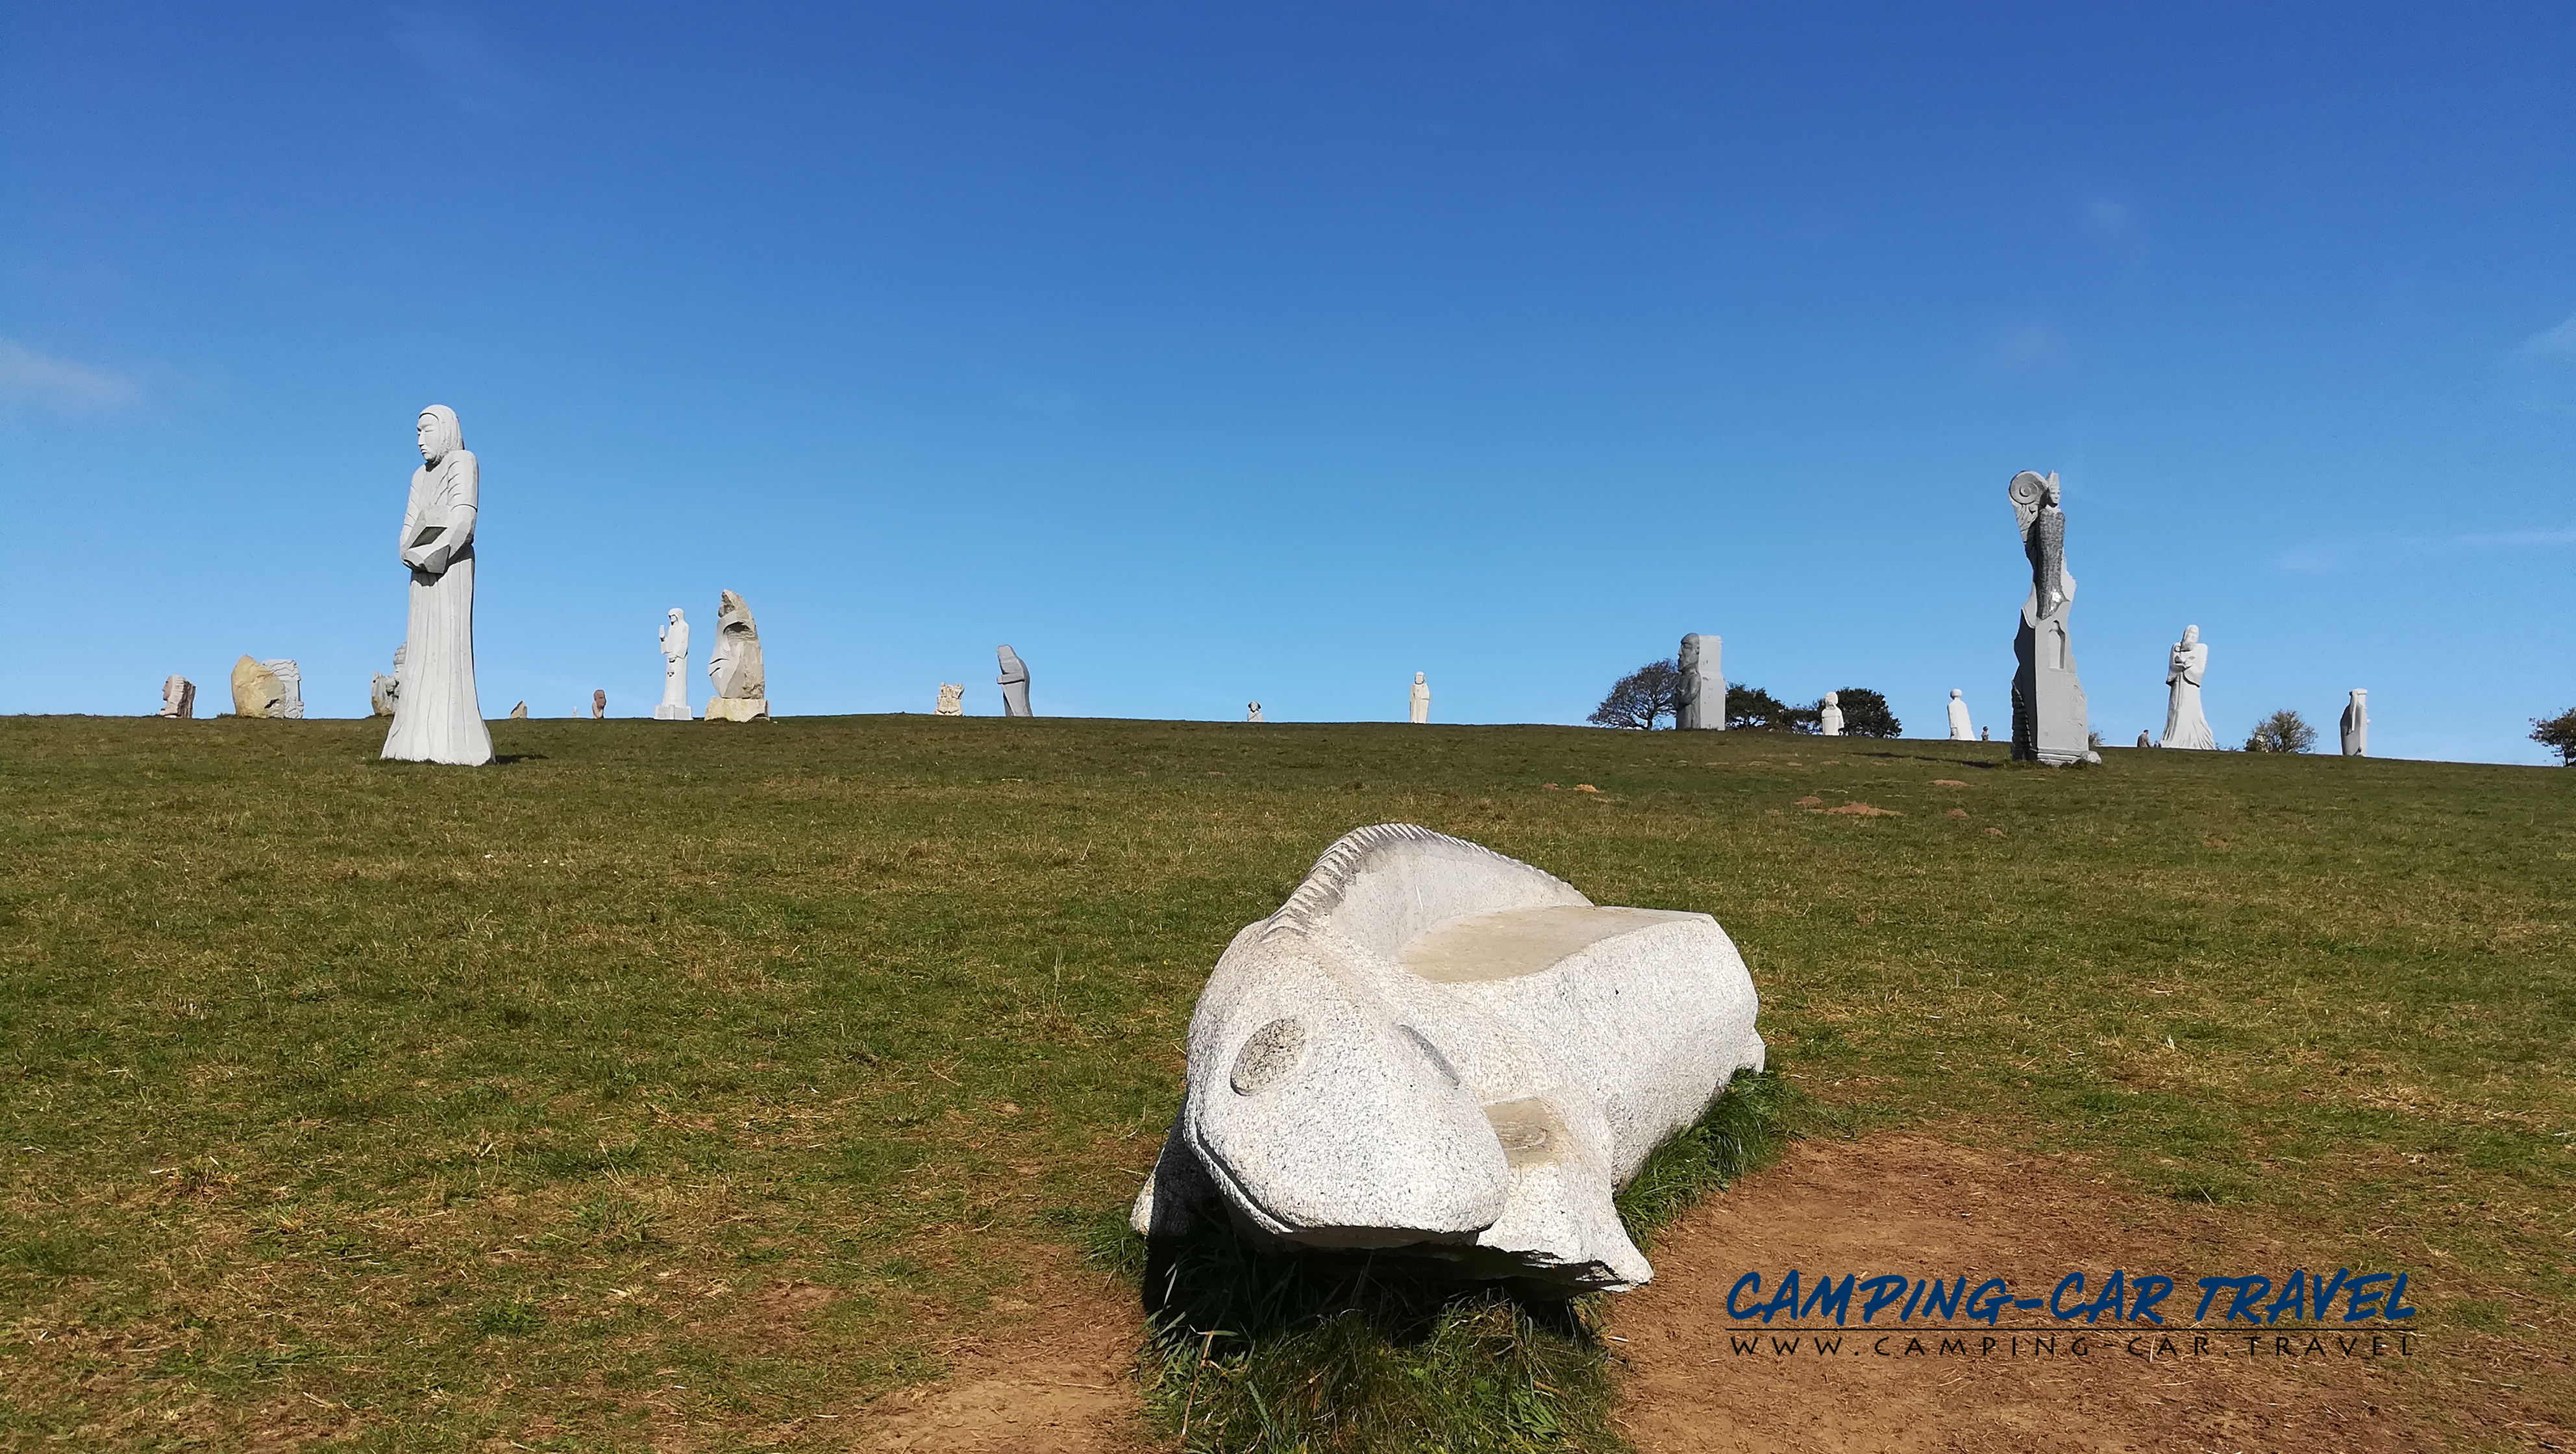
1920	1207
1058	1381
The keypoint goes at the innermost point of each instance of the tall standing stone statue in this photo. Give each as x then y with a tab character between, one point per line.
1961	730
1014	682
675	669
598	703
386	690
1829	715
952	700
2185	726
1702	707
2356	724
178	697
1421	698
2050	723
438	718
742	687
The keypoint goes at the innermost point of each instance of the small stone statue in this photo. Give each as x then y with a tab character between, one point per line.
291	677
1829	716
1959	718
385	692
1702	704
742	690
1252	711
1421	698
2356	724
952	700
2049	719
1014	682
598	703
257	691
2184	667
675	669
437	716
519	712
178	697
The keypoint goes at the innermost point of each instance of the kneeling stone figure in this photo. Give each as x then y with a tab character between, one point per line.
1434	1047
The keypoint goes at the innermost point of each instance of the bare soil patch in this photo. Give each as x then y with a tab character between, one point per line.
1059	1379
1917	1206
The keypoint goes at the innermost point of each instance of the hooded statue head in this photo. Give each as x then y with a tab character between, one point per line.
440	434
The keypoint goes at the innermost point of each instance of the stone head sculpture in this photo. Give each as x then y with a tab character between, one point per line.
1013	669
2191	636
1418	679
439	433
1833	699
1954	694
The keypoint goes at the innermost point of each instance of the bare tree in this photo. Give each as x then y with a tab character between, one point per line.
1649	697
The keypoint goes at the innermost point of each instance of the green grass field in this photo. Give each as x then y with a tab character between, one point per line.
412	1108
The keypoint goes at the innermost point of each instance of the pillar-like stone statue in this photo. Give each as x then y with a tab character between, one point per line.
2356	724
1252	711
290	678
2185	665
1014	682
675	669
742	688
178	697
952	700
385	692
1961	730
438	717
1829	715
1421	698
1702	705
2050	723
598	703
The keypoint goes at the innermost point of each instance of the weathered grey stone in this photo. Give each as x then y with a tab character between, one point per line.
438	717
2356	724
674	706
741	683
1014	682
178	697
2050	724
519	712
952	700
1829	715
1435	1048
1702	707
1960	728
384	693
290	677
2185	666
1421	698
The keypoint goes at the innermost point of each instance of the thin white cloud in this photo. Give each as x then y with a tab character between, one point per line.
2558	342
60	384
2326	557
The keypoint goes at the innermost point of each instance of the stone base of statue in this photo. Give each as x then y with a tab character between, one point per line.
667	712
2050	722
736	709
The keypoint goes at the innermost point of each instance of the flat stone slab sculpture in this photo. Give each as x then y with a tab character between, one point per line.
2356	724
2185	666
519	712
1435	1048
952	700
1702	704
291	677
674	706
1014	682
1829	715
2050	724
1421	698
1960	728
742	686
178	697
438	717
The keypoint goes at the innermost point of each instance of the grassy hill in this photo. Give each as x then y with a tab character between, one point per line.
419	1107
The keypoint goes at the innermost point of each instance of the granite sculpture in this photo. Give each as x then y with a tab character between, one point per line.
1961	730
1252	711
1701	703
290	677
256	690
952	700
674	706
2050	724
2356	724
385	691
598	703
2185	665
1829	715
519	712
178	697
1421	698
742	690
1014	682
1435	1048
437	716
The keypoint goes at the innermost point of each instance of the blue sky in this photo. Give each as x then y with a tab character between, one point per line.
1212	352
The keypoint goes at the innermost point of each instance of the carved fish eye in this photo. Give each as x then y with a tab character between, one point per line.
1268	1056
